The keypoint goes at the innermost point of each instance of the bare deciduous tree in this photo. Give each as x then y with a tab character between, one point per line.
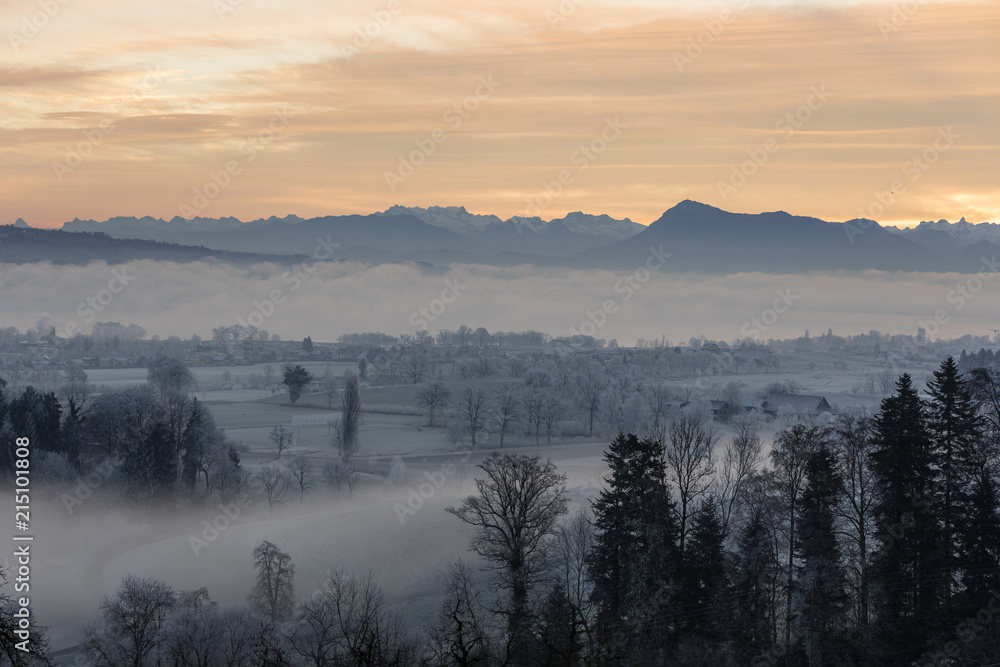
346	622
473	411
573	544
742	455
658	397
854	443
75	390
552	412
516	367
229	478
300	469
533	402
516	511
434	396
337	475
169	376
273	595
483	367
459	636
10	652
591	389
281	438
789	455
207	635
130	625
415	365
329	387
274	482
688	454
504	414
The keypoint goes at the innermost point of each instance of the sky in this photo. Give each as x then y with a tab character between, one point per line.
253	108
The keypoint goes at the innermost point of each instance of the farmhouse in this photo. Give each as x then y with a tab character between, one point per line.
802	404
719	408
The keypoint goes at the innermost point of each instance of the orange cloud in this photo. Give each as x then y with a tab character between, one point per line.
698	93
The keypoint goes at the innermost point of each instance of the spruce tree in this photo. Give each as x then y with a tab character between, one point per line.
703	580
634	560
751	618
981	536
954	426
980	540
907	567
821	600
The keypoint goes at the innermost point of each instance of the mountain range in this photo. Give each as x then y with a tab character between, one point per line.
697	237
20	244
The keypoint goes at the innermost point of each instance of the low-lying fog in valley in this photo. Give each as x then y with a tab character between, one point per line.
192	298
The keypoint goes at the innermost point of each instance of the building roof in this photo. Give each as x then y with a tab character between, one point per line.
800	403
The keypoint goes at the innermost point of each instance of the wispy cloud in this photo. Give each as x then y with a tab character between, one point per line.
355	115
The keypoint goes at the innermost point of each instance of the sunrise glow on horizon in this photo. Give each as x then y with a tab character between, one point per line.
253	109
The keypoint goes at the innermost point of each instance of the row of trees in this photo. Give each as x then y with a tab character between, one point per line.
344	622
479	411
416	364
575	400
